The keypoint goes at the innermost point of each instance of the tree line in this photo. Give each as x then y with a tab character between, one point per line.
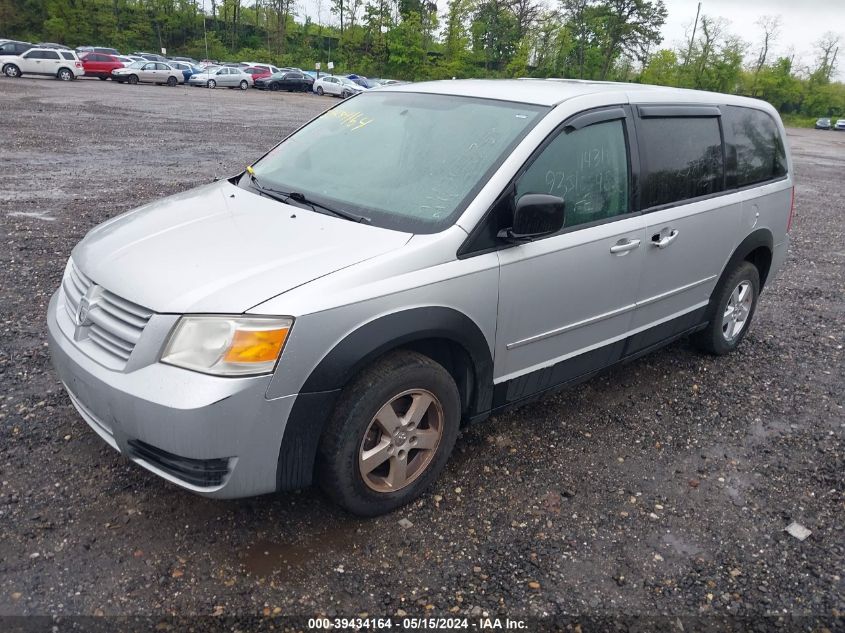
408	39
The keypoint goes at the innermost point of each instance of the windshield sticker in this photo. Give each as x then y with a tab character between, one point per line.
352	120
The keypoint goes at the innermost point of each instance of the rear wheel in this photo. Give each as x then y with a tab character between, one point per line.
64	74
133	79
211	83
731	310
11	70
390	435
244	84
172	81
101	78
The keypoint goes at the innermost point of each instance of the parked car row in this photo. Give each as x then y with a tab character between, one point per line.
50	59
825	123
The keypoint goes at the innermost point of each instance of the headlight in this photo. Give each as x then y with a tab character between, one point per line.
227	346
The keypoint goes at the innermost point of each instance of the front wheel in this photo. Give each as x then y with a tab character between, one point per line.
133	80
172	81
731	310
274	87
390	435
11	70
211	83
320	90
101	78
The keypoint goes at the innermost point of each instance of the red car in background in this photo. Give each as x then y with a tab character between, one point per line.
100	65
260	71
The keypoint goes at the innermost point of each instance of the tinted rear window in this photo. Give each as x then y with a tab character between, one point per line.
682	159
67	55
756	146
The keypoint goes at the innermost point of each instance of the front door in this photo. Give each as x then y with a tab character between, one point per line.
566	301
148	72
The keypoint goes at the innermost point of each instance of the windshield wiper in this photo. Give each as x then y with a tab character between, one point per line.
301	198
276	194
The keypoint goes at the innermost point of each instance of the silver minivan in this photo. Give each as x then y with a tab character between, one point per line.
414	259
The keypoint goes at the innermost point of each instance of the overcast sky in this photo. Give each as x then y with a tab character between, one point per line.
803	22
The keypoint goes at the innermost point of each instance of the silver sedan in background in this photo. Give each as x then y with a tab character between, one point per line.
147	72
225	76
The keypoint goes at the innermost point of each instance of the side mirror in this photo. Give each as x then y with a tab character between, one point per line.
536	215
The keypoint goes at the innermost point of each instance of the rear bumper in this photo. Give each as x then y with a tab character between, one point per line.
219	437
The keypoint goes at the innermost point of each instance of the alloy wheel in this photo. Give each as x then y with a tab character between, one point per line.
401	440
737	310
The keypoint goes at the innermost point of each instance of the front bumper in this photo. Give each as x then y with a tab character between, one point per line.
219	437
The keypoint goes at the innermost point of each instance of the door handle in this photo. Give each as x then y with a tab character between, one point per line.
665	240
624	246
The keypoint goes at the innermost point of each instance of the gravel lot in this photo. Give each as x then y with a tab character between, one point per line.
663	487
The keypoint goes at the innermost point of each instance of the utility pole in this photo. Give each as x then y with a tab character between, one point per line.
692	38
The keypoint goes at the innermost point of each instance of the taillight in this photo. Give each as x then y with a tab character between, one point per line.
79	64
791	211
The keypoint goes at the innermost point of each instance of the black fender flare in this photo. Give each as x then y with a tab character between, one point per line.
315	402
753	241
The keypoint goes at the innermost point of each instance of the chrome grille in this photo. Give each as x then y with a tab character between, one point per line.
75	284
116	324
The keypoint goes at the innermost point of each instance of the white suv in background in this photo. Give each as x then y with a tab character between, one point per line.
64	65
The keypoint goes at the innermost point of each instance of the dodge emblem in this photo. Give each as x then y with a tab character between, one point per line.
82	312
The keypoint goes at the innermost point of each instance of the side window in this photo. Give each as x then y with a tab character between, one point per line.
67	55
756	147
49	55
162	67
681	159
588	168
149	67
33	55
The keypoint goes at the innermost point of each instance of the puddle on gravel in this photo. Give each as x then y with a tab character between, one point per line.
265	558
681	545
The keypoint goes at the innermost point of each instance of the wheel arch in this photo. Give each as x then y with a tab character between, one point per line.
445	335
757	248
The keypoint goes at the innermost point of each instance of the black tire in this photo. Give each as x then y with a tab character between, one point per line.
64	74
211	84
101	78
274	87
320	90
172	81
10	70
244	85
715	338
133	80
337	468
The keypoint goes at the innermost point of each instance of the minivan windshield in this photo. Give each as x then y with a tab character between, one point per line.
405	161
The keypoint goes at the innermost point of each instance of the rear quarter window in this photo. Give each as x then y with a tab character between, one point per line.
755	148
67	55
681	159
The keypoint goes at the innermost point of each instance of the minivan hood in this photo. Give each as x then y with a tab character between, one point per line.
220	248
